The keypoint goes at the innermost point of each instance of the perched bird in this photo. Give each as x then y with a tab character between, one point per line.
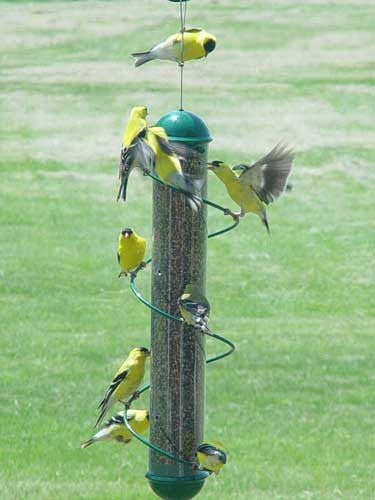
126	381
197	43
194	308
259	183
130	252
149	149
115	429
211	458
133	151
167	165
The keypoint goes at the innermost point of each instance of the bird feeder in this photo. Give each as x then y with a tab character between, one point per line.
178	350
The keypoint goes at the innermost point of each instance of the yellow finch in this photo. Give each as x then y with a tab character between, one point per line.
197	43
126	381
115	429
149	149
130	252
132	151
211	458
259	183
168	167
194	308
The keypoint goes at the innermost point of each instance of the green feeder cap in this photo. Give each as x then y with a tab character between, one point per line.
184	126
177	488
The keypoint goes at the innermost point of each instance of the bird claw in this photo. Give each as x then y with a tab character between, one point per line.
234	215
132	398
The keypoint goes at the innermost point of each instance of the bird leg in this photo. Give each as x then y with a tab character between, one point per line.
132	398
235	215
133	274
122	273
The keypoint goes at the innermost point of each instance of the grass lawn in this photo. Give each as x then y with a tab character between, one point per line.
295	404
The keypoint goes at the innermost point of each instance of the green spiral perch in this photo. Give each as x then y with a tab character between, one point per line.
178	362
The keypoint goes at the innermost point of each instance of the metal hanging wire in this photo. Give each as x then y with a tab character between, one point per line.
183	11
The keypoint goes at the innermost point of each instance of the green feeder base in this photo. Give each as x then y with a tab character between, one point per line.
177	488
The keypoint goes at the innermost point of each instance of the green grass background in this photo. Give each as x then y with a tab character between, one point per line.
295	405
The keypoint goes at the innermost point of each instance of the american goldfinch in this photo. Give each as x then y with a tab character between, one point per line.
211	458
197	43
149	149
126	381
130	252
194	308
168	165
133	150
259	183
115	429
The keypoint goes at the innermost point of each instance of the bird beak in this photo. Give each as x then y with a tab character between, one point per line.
210	166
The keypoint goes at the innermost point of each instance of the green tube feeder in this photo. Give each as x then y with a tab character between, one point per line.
178	350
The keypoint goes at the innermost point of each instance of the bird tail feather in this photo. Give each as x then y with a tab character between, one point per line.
122	190
193	192
265	221
101	415
142	57
204	327
88	443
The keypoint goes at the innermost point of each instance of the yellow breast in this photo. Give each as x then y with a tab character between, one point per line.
131	252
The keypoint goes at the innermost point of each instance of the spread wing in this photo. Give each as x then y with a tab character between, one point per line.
268	176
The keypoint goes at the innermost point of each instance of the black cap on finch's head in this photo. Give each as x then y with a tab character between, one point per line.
146	351
127	232
214	164
209	45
